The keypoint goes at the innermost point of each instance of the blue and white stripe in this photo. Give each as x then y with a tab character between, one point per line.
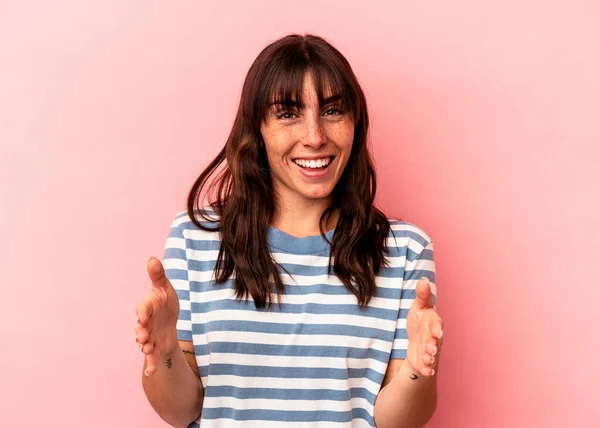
316	360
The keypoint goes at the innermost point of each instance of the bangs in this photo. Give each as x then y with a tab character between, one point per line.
284	86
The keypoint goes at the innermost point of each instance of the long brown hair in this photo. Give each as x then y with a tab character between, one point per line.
242	192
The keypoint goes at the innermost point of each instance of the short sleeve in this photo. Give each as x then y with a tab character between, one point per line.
417	266
176	270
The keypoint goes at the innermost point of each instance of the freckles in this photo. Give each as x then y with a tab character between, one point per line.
282	135
345	130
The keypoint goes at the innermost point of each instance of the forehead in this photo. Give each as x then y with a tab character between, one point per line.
309	88
293	90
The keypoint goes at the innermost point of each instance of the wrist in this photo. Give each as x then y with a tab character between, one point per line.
162	356
175	350
407	370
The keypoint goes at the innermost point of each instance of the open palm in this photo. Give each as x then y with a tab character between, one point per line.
424	328
156	327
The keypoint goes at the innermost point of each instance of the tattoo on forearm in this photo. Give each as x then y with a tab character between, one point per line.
185	351
169	363
415	376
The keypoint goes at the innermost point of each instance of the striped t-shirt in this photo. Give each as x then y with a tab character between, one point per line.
316	361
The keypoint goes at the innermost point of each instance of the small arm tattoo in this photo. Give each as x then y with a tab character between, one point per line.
415	376
185	351
169	363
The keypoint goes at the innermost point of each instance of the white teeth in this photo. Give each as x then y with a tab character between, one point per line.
312	163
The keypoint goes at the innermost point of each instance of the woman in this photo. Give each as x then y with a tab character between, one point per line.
288	298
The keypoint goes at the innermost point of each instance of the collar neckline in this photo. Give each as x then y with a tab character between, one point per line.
314	244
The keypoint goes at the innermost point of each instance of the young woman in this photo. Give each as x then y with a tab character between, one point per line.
285	297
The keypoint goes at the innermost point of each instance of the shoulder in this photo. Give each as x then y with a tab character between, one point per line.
406	235
183	224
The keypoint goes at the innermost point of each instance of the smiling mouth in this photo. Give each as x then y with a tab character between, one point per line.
314	165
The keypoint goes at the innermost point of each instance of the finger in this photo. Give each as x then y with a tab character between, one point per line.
424	296
156	272
138	327
148	347
430	346
427	359
144	312
427	370
143	335
150	365
435	324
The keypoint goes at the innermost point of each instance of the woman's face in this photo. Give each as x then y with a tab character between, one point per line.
307	149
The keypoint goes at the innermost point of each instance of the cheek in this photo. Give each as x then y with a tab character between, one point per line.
278	142
275	157
274	152
345	141
343	133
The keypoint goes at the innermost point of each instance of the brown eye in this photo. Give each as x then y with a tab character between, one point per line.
335	110
284	114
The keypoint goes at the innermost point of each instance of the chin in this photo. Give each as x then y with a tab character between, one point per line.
318	195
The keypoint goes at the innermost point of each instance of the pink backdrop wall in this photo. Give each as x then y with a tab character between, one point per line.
109	111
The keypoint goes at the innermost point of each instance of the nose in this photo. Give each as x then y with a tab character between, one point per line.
315	135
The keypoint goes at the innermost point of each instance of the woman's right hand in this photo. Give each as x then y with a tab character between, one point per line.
156	327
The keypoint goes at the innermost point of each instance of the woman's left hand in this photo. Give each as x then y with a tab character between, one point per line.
424	328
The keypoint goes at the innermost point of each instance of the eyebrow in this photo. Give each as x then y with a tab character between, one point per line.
332	98
293	103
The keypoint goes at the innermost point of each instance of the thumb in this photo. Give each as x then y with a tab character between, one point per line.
156	272
424	296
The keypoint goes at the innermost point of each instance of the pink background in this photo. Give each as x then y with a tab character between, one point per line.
486	132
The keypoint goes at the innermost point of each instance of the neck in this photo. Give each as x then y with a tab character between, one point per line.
300	218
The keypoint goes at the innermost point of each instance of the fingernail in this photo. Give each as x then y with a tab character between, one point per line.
432	360
137	320
441	334
425	278
141	346
432	372
434	350
146	372
136	337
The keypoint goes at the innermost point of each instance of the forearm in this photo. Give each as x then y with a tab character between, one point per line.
174	391
406	402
